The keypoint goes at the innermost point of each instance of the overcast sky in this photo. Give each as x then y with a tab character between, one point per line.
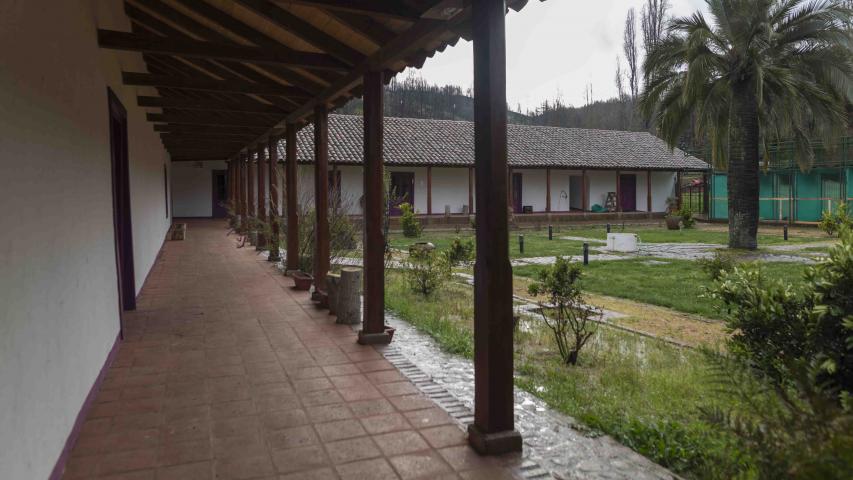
554	48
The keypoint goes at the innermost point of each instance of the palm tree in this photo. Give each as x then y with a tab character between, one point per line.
764	70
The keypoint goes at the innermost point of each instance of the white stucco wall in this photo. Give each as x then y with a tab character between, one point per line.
58	298
192	188
663	187
532	188
561	184
449	187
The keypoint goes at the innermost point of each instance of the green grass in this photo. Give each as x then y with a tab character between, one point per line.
536	243
677	284
644	392
691	235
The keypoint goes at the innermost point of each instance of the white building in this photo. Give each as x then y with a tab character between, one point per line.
561	171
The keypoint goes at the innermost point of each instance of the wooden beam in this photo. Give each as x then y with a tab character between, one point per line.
295	77
211	121
648	190
374	236
470	190
618	191
321	198
429	190
375	31
548	190
244	209
493	429
209	105
184	47
205	138
262	195
291	193
210	130
272	174
397	10
304	30
205	158
210	85
250	191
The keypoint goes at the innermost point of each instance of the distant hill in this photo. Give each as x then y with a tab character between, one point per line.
413	97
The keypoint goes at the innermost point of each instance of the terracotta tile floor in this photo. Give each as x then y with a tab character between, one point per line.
225	372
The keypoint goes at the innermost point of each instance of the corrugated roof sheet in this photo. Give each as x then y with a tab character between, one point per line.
412	141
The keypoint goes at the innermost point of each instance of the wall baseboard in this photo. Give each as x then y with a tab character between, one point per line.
59	467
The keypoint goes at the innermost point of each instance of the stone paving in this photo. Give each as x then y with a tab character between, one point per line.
555	441
226	372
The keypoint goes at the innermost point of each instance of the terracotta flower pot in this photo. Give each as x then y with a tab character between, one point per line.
673	222
302	281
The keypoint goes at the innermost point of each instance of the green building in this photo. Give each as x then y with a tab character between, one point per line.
790	195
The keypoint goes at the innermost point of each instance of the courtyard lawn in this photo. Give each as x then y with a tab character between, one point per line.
699	234
677	284
536	243
644	392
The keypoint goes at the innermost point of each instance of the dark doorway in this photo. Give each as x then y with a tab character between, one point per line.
628	192
220	193
516	192
403	190
122	225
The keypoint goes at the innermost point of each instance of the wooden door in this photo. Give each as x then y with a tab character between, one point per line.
628	192
122	225
220	193
516	192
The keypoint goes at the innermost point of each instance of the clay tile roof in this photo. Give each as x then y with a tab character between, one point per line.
411	141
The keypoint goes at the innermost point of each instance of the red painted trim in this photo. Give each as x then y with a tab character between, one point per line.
59	468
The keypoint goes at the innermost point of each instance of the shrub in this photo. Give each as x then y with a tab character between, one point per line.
687	218
411	225
568	318
777	327
343	233
426	271
832	223
460	251
792	431
716	266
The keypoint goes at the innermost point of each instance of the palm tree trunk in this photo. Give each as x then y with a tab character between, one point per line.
743	183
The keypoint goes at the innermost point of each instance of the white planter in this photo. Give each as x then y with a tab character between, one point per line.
622	242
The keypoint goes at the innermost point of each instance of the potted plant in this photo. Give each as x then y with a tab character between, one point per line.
303	279
673	219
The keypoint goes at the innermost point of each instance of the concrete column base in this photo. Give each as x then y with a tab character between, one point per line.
496	443
383	338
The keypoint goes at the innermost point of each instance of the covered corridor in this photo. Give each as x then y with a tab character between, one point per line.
226	372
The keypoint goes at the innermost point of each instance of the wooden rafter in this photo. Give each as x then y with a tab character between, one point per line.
210	85
209	105
209	50
305	30
207	120
372	7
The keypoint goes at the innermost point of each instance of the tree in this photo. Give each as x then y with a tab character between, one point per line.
653	22
762	71
629	46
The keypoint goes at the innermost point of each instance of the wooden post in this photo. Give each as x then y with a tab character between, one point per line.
678	189
584	191
618	191
493	429
244	187
548	190
274	215
262	195
648	191
292	199
250	191
429	190
470	190
321	198
508	188
373	330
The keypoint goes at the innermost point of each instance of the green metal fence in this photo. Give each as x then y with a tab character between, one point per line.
789	195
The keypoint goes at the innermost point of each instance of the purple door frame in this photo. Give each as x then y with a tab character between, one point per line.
628	192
